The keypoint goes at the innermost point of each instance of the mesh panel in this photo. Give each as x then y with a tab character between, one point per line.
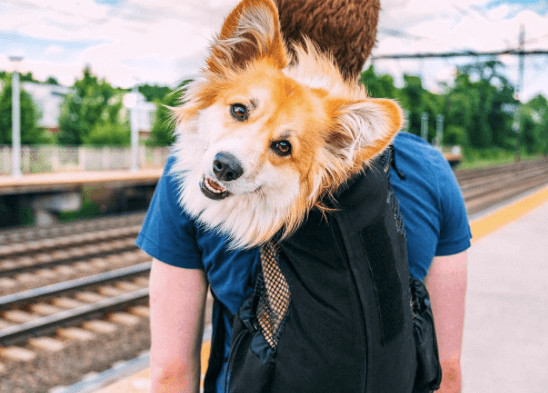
274	295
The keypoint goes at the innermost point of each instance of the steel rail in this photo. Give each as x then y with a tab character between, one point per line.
71	285
25	234
44	325
501	195
470	190
69	241
65	261
475	174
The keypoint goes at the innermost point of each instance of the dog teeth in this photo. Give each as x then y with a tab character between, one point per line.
213	186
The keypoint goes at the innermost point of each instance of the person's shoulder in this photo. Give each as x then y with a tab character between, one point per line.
170	171
419	154
411	143
168	192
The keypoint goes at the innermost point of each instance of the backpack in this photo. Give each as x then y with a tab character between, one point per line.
333	309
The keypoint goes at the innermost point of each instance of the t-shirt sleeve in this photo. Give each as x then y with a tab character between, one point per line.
455	232
168	233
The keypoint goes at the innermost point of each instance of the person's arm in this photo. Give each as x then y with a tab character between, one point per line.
177	302
446	283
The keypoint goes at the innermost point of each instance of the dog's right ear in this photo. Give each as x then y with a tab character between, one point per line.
364	128
250	32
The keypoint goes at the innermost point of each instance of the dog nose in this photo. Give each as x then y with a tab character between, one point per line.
227	167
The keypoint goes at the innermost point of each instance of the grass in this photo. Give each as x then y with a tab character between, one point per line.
475	159
88	209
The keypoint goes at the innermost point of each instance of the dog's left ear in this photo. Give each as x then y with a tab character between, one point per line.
363	128
250	32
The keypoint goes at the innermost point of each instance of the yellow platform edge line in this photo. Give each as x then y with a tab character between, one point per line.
491	222
204	356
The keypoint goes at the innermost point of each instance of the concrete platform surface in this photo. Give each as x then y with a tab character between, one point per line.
61	180
505	347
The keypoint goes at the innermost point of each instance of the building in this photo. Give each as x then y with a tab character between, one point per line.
49	100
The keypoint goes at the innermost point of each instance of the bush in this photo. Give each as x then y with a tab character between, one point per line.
455	135
109	134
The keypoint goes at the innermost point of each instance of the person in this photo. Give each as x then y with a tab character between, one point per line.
438	236
187	259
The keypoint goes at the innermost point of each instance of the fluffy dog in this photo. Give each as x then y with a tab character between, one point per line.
262	137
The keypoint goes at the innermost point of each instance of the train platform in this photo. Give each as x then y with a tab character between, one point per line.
61	181
505	341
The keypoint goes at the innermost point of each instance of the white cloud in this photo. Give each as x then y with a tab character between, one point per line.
166	40
53	50
459	25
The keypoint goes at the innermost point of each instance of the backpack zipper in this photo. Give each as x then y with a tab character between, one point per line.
233	349
335	228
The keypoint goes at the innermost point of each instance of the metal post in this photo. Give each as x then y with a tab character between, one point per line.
439	129
424	126
519	89
405	120
134	125
16	126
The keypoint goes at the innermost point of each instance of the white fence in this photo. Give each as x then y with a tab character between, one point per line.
40	159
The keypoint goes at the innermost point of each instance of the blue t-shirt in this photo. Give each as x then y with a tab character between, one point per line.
431	203
430	200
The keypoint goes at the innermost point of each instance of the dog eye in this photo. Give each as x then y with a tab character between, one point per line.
281	148
239	112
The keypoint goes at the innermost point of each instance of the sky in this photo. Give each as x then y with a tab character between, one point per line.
166	41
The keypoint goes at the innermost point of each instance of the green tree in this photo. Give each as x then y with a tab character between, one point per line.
378	86
416	100
28	77
31	134
412	97
109	134
154	93
534	125
491	93
52	81
479	109
161	133
91	103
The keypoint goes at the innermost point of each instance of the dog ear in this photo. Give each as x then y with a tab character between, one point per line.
363	129
250	32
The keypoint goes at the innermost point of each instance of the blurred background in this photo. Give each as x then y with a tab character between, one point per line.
85	132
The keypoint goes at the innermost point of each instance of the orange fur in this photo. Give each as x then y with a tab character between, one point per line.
333	127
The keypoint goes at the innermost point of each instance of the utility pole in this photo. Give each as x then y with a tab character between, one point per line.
134	126
15	120
439	129
424	126
519	89
521	60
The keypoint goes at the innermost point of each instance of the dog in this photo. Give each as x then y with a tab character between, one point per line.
262	136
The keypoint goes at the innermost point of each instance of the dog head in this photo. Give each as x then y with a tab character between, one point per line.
259	142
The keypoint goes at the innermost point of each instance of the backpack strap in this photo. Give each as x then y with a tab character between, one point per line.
216	356
401	175
429	372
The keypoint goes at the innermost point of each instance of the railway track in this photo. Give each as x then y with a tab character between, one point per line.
19	235
484	188
119	288
70	288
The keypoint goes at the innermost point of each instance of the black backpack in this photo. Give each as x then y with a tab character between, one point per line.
333	310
